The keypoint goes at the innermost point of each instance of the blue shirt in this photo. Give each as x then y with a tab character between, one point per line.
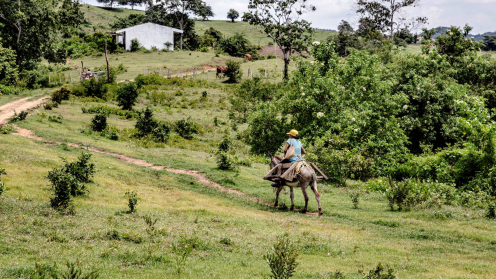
297	145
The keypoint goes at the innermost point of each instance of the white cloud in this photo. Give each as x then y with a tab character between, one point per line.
477	13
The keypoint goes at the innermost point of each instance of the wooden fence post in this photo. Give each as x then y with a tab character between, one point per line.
194	72
208	70
106	59
49	79
144	71
168	73
60	81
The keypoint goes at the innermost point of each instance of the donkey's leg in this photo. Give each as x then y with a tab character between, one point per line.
305	195
278	191
317	195
292	199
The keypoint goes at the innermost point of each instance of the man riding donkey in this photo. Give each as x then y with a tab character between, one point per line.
293	171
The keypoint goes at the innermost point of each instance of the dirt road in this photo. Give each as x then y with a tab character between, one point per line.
8	110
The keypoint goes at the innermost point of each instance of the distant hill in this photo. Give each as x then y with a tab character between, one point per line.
478	37
99	19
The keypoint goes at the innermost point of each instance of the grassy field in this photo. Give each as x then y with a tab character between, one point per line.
100	18
234	231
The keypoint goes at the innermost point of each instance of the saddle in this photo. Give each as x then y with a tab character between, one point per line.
289	171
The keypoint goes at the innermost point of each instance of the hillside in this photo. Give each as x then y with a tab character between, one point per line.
99	19
479	37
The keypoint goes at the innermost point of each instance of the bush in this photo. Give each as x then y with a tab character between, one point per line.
81	169
271	56
132	198
61	94
161	132
135	45
145	122
99	123
19	117
127	95
2	185
100	109
9	90
50	105
378	273
74	271
491	208
56	119
271	43
63	184
237	46
182	250
233	71
92	88
186	128
282	258
7	129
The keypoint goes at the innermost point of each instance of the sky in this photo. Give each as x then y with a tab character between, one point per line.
480	14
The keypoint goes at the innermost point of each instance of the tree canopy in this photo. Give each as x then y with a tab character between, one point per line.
232	14
280	20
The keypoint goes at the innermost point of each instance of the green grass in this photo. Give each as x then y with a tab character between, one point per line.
451	242
99	18
253	34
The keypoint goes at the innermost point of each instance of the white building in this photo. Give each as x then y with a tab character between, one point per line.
148	35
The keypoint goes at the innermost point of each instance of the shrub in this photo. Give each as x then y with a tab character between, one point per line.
92	88
233	71
127	95
397	193
132	198
378	273
61	94
282	258
161	132
56	119
271	43
186	128
109	110
74	271
99	123
182	250
145	122
491	211
271	56
7	129
50	105
63	184
355	198
9	90
135	45
81	169
19	117
2	185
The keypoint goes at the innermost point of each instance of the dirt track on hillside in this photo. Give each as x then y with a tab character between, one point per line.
8	110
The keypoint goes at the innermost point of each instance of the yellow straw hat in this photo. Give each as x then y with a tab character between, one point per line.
293	133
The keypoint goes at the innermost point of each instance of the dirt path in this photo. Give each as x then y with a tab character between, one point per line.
8	110
199	176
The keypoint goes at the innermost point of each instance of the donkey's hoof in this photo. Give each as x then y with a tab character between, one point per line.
321	213
303	212
292	208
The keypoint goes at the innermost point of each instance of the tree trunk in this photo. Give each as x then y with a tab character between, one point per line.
181	44
232	19
287	58
392	26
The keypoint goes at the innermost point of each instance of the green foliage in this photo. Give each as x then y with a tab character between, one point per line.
214	33
7	129
56	119
37	37
61	94
81	169
8	68
232	14
131	20
132	198
290	35
92	88
237	46
345	41
127	95
63	184
102	109
161	132
186	128
99	123
271	56
19	117
225	160
355	198
74	271
233	71
9	90
489	43
2	185
135	45
265	129
282	258
380	273
145	122
182	250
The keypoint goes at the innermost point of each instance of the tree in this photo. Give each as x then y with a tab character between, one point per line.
180	9
345	26
386	16
205	11
160	14
280	20
70	15
489	43
31	28
107	2
127	95
8	67
132	3
232	14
